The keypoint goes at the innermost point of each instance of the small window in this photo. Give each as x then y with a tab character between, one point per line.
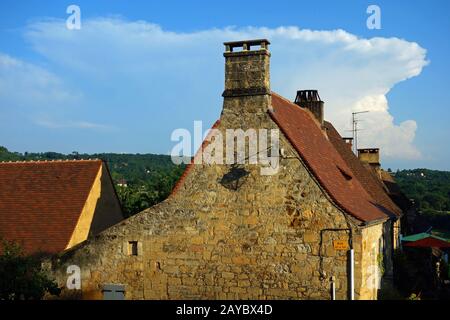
132	248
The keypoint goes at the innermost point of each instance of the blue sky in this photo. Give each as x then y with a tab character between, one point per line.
138	70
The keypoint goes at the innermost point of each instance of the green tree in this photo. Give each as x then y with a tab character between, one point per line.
21	276
436	201
136	199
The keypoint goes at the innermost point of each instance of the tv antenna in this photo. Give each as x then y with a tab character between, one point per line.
355	129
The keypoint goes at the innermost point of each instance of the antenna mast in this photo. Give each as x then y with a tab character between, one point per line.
355	130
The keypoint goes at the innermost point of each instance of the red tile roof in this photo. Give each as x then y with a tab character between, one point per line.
40	201
324	161
371	183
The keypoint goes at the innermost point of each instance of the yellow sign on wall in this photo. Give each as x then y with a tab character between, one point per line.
340	245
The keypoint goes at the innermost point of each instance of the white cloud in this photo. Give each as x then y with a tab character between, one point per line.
26	85
34	92
71	124
182	73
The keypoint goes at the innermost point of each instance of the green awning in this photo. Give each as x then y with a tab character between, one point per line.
420	236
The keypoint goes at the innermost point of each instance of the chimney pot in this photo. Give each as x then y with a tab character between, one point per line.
310	99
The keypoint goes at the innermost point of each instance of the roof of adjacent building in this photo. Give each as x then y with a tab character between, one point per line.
368	179
41	201
394	191
335	175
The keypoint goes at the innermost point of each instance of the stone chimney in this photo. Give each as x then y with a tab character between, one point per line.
247	75
310	99
371	157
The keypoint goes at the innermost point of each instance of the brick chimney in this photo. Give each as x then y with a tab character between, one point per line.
310	99
247	75
348	141
371	157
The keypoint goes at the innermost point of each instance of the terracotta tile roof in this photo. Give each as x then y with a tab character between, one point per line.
371	183
40	201
324	161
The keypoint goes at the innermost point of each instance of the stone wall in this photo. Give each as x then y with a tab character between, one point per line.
266	240
371	261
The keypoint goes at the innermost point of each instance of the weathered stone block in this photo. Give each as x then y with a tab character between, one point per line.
228	275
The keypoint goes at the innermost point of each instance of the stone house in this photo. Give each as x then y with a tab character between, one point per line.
322	221
51	206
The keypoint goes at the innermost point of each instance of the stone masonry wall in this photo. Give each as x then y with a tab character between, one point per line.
371	270
262	241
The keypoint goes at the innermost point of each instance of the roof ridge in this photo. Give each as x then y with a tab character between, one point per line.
44	161
188	169
281	97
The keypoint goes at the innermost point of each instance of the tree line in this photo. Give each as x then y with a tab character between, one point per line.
430	190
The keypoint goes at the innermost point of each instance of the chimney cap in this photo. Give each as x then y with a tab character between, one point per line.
369	150
307	95
246	44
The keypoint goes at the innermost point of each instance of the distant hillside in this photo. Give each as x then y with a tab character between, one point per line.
142	180
430	190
